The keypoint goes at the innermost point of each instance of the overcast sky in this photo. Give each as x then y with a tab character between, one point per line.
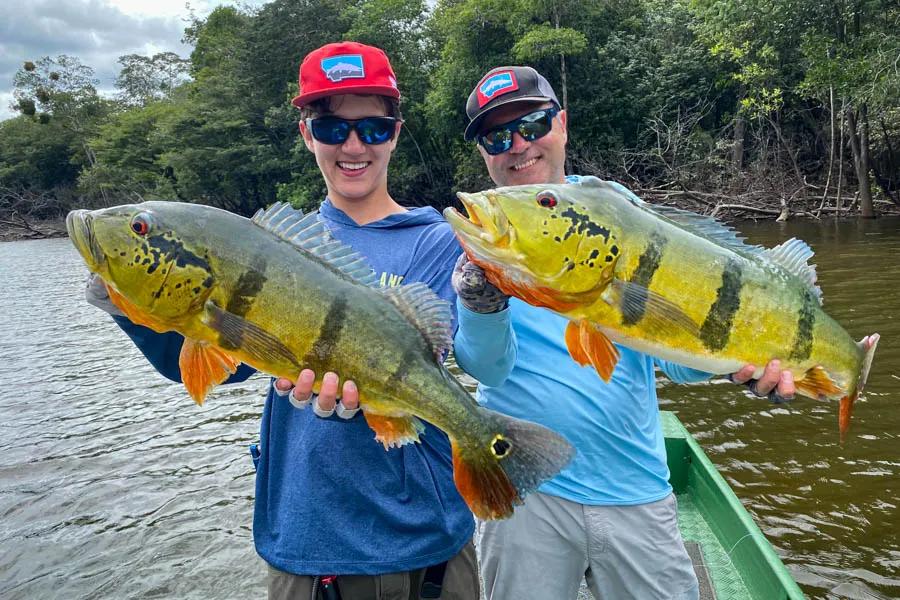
96	31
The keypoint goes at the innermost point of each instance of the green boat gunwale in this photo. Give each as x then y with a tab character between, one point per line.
710	513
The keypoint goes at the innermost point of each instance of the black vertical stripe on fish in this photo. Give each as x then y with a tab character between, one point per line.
329	334
236	333
802	348
716	328
410	356
245	290
635	301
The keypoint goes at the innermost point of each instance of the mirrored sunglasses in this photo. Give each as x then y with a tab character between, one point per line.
335	130
532	126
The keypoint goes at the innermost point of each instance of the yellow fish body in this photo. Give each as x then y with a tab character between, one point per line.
662	281
279	293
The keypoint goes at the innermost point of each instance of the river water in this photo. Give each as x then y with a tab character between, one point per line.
114	485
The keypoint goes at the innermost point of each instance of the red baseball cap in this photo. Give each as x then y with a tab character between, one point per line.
345	68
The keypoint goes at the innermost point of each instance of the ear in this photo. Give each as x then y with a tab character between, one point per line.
564	121
307	137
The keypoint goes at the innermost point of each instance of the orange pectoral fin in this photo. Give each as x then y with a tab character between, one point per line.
588	345
394	431
203	367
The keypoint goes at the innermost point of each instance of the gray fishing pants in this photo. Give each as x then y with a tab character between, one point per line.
460	582
549	545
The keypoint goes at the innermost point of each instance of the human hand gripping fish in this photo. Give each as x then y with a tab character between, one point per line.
325	403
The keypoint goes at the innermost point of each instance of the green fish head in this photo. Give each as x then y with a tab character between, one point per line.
136	250
536	236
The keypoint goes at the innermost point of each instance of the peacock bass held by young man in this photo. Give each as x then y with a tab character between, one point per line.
279	293
663	281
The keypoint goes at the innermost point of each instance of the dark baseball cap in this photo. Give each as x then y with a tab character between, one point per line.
504	85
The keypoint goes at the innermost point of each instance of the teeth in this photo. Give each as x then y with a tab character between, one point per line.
353	166
524	165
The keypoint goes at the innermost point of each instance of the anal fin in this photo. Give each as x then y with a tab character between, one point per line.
203	366
393	431
589	346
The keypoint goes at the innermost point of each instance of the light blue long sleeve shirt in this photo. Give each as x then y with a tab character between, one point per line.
615	427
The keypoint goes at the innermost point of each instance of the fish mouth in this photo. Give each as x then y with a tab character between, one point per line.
486	227
81	232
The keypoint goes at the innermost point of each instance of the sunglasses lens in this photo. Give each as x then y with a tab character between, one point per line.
532	130
330	130
375	130
497	141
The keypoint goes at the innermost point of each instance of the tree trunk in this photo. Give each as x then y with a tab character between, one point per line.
859	142
737	151
787	148
830	148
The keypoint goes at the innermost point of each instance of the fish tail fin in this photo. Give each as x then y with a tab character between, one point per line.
496	472
846	409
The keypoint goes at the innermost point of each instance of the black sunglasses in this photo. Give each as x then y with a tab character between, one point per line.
532	126
335	130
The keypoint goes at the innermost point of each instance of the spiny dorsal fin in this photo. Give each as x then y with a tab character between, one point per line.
428	312
794	255
308	233
701	225
706	227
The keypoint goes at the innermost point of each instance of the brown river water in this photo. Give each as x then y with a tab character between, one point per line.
114	485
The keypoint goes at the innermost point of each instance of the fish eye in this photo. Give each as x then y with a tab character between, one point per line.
547	199
140	224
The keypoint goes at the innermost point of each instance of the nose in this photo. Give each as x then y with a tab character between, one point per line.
353	145
519	144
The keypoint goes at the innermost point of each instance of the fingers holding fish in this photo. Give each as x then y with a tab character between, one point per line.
775	383
326	403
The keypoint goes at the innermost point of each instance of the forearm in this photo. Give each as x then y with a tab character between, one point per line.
485	345
680	373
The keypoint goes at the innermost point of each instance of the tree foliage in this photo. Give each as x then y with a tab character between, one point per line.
711	95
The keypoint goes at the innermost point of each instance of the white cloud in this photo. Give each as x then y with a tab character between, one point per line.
96	31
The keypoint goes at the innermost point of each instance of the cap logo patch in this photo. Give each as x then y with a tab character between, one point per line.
496	85
345	66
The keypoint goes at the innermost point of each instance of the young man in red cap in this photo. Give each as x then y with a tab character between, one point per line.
609	517
329	499
333	509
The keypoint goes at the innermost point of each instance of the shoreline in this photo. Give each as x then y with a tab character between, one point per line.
37	230
56	228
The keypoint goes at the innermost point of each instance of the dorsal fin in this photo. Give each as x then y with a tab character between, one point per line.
793	255
308	233
428	312
701	225
706	227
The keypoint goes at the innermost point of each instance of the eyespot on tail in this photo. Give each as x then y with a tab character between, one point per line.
495	476
846	408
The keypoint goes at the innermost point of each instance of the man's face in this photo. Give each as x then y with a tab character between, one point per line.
540	161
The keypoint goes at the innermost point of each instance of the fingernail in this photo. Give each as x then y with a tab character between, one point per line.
351	387
307	376
330	377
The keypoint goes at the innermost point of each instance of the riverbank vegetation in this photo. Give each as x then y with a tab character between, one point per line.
758	108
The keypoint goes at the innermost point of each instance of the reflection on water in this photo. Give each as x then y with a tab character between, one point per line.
114	485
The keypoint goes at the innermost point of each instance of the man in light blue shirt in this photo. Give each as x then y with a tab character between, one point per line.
610	516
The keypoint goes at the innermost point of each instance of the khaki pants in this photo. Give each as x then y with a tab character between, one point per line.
460	582
550	545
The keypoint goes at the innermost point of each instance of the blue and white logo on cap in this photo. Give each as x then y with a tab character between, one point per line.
345	66
496	84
